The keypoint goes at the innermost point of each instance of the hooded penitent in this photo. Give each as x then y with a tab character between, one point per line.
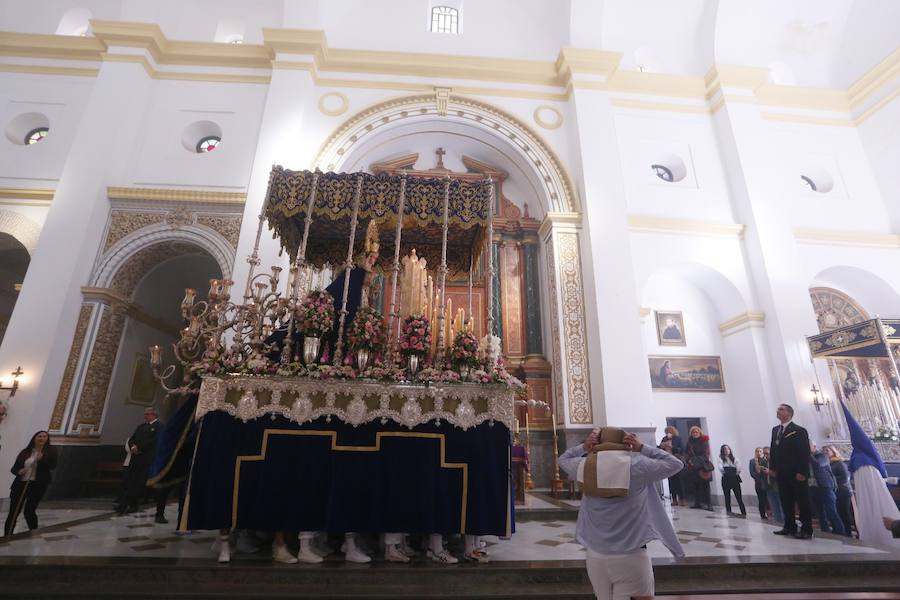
873	500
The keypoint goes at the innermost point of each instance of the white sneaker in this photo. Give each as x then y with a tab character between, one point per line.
307	554
353	554
443	557
224	550
392	553
281	554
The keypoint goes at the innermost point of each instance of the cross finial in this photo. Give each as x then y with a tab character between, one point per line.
17	372
440	158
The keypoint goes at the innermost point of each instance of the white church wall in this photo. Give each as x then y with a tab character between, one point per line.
834	158
61	100
530	29
161	158
725	421
22	16
646	138
878	135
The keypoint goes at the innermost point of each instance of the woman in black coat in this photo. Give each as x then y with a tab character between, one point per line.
32	470
698	464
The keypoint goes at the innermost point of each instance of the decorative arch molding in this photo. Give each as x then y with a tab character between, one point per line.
835	309
555	181
26	231
83	394
124	265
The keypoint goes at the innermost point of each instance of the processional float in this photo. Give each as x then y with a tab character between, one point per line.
863	363
380	430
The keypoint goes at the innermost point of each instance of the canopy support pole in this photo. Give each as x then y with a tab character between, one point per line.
348	265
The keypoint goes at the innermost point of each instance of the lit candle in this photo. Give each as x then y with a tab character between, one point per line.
189	295
276	273
194	328
225	290
155	356
213	288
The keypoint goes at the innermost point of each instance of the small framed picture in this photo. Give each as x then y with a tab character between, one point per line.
670	328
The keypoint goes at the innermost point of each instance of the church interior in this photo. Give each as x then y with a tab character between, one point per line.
360	272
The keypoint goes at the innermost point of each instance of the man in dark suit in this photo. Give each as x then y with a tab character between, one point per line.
790	457
141	448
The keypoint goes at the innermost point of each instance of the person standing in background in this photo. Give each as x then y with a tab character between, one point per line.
731	479
141	450
844	488
700	467
824	493
772	488
790	465
32	470
760	481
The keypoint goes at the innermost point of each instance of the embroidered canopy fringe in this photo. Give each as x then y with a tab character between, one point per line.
422	221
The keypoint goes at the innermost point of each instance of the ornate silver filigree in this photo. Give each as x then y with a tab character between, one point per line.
303	401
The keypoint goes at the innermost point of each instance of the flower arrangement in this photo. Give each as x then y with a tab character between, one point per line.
885	433
315	316
429	375
489	351
415	335
366	331
464	352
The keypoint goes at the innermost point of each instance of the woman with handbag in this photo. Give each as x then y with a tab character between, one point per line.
700	467
731	480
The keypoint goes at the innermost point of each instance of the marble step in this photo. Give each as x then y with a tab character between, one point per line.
71	577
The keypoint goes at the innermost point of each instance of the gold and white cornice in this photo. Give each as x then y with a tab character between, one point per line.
690	227
861	239
743	321
553	80
172	195
41	196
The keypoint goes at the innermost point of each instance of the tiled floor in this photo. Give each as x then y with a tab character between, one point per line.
82	532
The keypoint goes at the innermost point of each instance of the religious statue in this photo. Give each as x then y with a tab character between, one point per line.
363	287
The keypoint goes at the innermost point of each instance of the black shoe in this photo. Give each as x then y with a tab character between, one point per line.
784	532
161	519
132	509
804	535
695	506
710	509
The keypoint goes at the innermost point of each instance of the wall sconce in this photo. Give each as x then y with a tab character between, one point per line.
15	384
816	402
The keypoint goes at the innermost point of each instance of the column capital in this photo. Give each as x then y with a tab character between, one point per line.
555	219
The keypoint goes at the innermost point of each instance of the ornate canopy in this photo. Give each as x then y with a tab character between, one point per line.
331	215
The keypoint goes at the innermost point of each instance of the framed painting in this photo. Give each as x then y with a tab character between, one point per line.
686	374
670	328
143	384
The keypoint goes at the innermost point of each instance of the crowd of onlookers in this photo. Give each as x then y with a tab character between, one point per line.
828	480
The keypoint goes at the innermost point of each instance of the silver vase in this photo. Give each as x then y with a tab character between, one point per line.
362	359
413	363
310	349
464	372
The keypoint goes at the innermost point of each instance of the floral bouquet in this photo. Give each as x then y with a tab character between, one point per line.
464	352
885	433
315	316
415	336
489	351
366	331
429	375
